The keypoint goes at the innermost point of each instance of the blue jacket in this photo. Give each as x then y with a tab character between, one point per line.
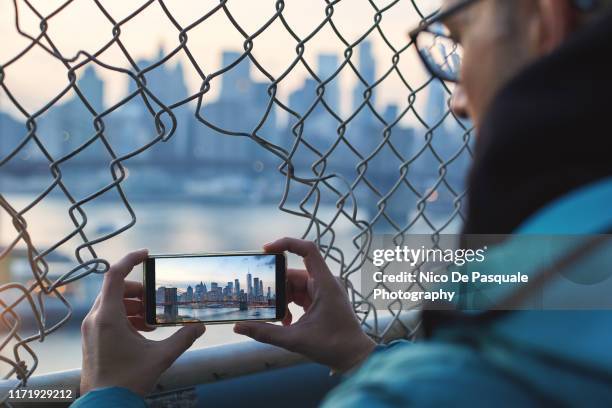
528	358
524	359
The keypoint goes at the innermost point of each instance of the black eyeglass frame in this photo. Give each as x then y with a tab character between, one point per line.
425	25
581	5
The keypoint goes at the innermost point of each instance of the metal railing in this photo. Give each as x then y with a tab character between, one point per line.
203	366
404	164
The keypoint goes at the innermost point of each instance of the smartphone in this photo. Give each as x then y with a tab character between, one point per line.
214	288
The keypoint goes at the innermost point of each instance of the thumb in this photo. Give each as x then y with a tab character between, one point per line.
266	333
180	341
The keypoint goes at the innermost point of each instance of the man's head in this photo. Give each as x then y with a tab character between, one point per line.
500	37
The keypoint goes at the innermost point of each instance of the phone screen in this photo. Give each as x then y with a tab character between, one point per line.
214	288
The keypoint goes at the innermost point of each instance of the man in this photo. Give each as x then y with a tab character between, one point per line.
535	82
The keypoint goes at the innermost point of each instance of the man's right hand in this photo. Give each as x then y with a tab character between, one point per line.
329	332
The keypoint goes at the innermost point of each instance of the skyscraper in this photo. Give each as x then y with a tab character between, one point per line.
238	93
328	64
249	285
189	294
92	87
235	83
261	292
301	99
160	294
168	85
365	130
200	291
256	287
236	287
12	132
367	69
73	119
170	306
436	103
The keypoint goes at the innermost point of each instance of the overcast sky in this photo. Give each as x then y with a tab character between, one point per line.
181	272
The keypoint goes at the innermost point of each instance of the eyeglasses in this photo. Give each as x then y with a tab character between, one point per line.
441	54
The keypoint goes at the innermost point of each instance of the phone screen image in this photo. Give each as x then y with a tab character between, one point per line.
214	288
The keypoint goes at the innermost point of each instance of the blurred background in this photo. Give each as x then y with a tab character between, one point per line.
346	85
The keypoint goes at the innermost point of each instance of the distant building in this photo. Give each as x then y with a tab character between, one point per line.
328	64
236	287
168	84
239	94
160	294
230	289
249	286
200	292
170	304
367	70
68	125
92	88
11	133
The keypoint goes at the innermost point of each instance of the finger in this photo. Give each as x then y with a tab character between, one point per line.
288	318
133	307
297	281
180	341
266	333
96	304
302	300
315	265
133	289
140	324
297	278
113	285
297	288
92	311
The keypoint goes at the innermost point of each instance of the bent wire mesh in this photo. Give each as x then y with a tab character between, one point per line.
340	109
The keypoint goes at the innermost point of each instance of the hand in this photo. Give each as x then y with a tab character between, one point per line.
114	353
329	331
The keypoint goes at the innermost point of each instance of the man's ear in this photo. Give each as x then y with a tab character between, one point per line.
555	21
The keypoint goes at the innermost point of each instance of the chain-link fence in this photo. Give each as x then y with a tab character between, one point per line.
395	170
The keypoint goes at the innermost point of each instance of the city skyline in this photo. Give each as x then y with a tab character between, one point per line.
69	124
248	166
201	164
205	47
186	271
183	288
232	296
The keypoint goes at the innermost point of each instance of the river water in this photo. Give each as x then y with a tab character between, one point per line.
162	227
223	313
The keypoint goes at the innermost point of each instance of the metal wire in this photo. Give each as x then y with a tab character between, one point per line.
320	182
